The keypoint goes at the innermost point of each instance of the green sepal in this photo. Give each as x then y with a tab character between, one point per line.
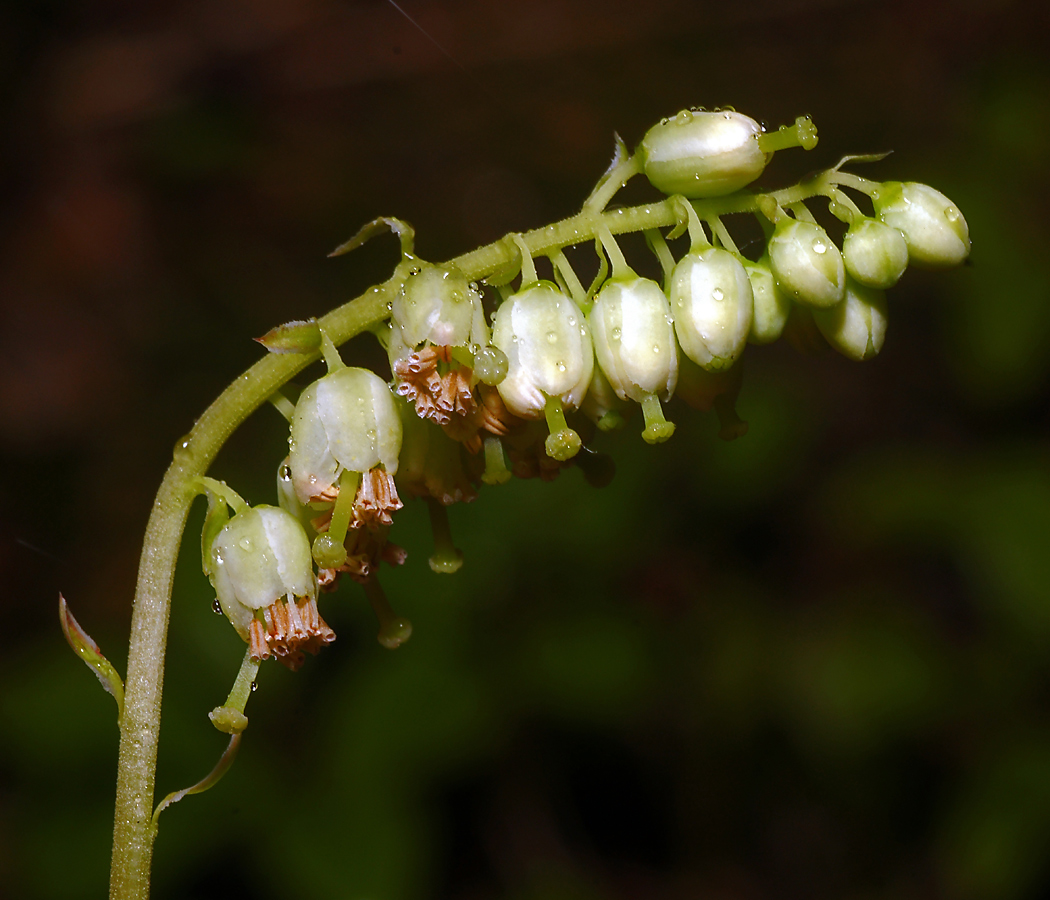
293	337
89	651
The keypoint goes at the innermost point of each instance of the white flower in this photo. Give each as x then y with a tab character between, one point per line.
344	421
548	348
633	334
712	304
260	566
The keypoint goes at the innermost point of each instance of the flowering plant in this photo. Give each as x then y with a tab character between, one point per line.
490	381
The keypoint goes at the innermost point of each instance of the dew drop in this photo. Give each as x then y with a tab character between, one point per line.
683	117
819	246
656	348
245	543
182	448
717	295
951	214
255	686
286	473
216	607
552	337
616	334
371	434
561	366
572	320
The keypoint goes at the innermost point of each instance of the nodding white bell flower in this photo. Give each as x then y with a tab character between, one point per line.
703	154
856	327
713	305
633	334
548	347
436	305
933	227
260	566
772	305
875	254
345	421
806	263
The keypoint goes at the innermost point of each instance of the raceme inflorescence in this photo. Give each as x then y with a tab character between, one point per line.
497	372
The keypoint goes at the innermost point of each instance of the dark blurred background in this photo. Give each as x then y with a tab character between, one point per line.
812	663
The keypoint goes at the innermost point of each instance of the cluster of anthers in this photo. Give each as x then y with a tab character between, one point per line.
490	381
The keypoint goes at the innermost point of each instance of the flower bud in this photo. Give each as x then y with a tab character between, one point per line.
435	304
344	421
633	335
856	327
548	348
713	305
703	154
806	263
875	254
935	230
772	305
261	556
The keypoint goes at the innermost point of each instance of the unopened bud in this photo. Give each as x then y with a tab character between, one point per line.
856	327
772	305
935	230
806	263
435	304
875	254
713	304
703	154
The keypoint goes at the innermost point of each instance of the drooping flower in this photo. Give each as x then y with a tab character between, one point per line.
259	564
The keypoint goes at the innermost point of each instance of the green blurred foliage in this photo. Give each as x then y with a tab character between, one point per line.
812	662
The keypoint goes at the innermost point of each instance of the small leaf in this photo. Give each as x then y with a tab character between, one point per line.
293	337
210	780
366	232
88	650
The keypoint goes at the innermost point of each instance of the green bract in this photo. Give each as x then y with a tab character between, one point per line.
806	263
933	227
633	335
261	556
346	420
875	254
712	304
772	305
703	154
548	349
856	327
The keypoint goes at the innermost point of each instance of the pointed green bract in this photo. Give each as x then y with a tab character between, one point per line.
86	648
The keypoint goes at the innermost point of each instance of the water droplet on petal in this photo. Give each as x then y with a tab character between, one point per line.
616	334
216	607
255	686
245	543
552	337
717	295
561	366
951	214
819	246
